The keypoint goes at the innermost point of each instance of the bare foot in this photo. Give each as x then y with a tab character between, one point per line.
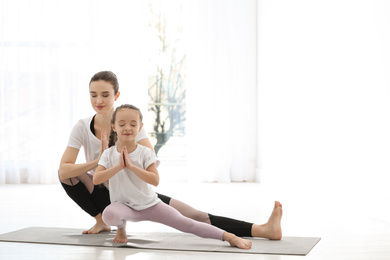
272	229
237	241
100	226
97	228
121	236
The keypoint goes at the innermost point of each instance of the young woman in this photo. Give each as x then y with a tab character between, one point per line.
91	134
131	170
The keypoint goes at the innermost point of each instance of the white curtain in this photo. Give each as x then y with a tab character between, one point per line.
49	49
221	90
48	52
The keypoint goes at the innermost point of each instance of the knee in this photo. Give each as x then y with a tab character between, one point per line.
110	217
59	176
201	216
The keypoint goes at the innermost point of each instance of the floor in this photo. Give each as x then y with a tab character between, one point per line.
349	229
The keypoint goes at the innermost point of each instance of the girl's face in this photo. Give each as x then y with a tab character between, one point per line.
127	124
102	96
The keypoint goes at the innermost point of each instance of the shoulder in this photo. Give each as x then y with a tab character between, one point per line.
86	121
111	150
148	155
109	153
83	123
142	135
143	149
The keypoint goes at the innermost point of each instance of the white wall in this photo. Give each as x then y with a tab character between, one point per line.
324	99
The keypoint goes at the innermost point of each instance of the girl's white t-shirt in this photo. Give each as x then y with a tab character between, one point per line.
81	136
126	187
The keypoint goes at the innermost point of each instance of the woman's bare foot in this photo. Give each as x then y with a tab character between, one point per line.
272	229
121	236
237	241
100	226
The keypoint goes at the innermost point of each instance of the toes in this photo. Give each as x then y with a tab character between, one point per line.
120	240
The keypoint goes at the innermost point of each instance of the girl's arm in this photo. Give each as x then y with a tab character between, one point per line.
69	169
102	174
150	175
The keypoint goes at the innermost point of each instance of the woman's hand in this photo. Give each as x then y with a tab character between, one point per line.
104	143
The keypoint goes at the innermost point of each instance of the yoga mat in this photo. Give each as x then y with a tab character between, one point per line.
161	241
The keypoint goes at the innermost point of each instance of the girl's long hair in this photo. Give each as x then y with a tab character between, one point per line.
113	136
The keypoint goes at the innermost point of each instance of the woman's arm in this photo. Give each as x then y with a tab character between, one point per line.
69	169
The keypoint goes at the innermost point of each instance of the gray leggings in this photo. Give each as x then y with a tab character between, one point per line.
117	214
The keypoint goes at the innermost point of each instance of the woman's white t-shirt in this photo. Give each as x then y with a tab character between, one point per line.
81	136
125	186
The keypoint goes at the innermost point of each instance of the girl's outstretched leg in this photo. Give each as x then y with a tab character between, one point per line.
237	241
167	215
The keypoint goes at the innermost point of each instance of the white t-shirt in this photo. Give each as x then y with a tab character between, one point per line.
125	186
81	136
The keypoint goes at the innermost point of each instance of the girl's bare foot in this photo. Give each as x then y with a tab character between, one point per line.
100	226
121	236
237	241
272	229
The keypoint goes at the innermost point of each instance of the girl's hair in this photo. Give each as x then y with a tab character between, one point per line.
108	76
113	136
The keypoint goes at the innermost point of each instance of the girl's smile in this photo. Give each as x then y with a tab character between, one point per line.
127	124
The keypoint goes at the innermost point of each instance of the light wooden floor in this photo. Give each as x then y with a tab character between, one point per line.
349	229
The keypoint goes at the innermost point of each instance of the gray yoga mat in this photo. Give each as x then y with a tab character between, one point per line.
161	241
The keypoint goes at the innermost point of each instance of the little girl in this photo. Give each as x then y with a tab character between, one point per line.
132	170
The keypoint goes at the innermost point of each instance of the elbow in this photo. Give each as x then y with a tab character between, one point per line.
61	174
95	181
156	182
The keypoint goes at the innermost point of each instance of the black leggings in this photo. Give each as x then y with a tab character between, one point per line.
95	202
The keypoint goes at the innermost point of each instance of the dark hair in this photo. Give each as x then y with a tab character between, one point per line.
113	136
108	76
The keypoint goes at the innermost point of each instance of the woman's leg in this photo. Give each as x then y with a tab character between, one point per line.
237	227
271	229
91	198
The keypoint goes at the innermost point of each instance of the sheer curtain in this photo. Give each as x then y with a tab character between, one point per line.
221	90
48	52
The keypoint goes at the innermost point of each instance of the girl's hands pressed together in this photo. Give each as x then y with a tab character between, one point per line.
122	162
127	162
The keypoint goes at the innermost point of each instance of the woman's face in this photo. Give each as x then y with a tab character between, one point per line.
102	96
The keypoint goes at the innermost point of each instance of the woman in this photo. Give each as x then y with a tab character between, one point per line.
91	134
